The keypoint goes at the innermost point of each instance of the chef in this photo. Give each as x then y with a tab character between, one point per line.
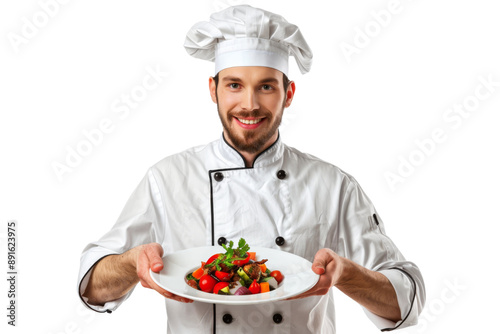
250	184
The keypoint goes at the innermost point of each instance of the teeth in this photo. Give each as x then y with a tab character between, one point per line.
244	121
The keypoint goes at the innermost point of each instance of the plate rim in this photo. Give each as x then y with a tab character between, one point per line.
234	300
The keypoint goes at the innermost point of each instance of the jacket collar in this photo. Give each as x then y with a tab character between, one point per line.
235	159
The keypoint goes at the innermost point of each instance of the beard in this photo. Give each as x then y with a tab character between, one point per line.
251	141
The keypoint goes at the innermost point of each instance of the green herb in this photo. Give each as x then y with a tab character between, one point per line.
243	248
191	277
231	255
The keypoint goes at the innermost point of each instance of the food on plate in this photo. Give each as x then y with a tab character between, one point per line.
235	272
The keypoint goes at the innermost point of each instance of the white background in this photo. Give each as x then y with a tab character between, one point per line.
363	113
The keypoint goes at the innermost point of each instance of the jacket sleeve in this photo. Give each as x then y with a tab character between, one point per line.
140	222
362	238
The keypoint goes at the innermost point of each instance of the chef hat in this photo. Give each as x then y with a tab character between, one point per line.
247	36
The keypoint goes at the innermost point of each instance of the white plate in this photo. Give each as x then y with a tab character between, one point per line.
297	272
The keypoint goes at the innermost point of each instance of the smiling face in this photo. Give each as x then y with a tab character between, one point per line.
250	101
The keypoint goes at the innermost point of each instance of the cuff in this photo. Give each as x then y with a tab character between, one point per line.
87	263
405	288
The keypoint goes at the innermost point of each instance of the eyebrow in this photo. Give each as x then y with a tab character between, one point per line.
265	80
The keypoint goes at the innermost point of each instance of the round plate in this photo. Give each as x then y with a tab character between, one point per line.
297	272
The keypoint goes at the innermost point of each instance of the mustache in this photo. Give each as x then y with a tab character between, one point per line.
252	113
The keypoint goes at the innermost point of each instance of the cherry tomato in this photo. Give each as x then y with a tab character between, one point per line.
212	258
242	262
220	285
207	283
225	277
254	287
278	276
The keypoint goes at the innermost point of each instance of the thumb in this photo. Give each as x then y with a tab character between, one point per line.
320	262
154	254
156	267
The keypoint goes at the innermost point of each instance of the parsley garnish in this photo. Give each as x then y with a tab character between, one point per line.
243	248
231	254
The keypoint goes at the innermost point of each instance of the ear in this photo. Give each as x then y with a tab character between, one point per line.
289	94
212	87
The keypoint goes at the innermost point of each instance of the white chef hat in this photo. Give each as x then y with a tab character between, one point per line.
247	36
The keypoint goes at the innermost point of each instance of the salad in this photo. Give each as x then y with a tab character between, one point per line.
235	272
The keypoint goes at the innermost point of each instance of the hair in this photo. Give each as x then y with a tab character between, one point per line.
286	82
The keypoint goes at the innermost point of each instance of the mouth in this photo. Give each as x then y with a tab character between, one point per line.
250	122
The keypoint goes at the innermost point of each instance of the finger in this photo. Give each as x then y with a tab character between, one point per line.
154	253
320	288
143	265
143	268
151	257
177	298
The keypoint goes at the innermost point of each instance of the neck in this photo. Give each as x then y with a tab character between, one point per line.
249	158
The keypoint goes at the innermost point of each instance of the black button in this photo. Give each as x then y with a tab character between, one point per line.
277	318
221	241
109	311
280	241
218	176
227	318
281	174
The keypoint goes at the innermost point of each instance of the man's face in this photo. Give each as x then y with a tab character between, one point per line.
250	101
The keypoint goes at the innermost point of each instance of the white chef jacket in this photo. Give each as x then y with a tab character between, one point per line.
196	197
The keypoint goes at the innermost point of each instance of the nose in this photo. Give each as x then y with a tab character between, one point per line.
249	100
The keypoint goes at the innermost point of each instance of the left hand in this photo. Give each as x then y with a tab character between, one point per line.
328	265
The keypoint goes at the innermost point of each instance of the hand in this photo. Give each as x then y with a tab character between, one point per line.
150	256
328	265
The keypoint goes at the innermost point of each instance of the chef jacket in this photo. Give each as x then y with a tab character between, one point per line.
286	200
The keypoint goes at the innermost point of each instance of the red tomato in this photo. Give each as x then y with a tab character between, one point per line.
278	276
207	283
220	285
225	277
212	258
242	262
254	287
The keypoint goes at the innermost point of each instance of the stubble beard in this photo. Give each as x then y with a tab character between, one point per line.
251	141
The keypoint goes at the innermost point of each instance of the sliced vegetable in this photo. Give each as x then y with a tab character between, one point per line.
235	287
254	287
277	275
219	288
273	284
237	271
225	277
242	291
244	260
244	276
190	277
212	258
224	291
198	273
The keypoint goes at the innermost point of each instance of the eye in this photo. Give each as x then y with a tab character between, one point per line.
234	85
267	87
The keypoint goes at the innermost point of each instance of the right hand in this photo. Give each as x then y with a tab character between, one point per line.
149	256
